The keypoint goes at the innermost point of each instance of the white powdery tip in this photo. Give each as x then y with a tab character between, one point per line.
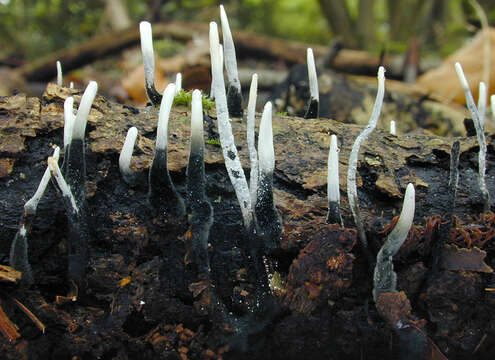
333	191
127	149
253	90
165	107
196	114
178	83
147	51
59	73
224	19
71	85
64	188
313	79
81	119
381	74
31	205
393	130
68	120
266	153
407	212
461	76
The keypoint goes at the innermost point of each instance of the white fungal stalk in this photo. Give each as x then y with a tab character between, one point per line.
482	97
229	49
333	191
492	103
165	107
393	130
384	278
69	119
479	134
197	142
313	79
71	85
266	154
353	158
62	185
232	162
59	74
253	155
126	153
220	56
147	52
79	127
178	83
32	204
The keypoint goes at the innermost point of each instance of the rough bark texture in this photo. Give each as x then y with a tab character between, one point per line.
138	303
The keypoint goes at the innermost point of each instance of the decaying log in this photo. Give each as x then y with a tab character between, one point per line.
137	274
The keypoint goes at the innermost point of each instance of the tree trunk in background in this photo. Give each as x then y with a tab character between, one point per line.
366	23
338	17
116	15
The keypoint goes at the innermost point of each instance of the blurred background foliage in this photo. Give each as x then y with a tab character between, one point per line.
33	28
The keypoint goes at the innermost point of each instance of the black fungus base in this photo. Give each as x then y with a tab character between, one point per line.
313	111
234	101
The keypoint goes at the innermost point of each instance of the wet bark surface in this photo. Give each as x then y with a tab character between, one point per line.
140	298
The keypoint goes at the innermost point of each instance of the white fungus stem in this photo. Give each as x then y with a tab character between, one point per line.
232	162
178	83
479	134
147	52
69	119
126	153
253	155
79	127
32	204
229	49
62	185
197	142
333	190
266	154
353	158
492	103
163	117
59	74
71	85
384	278
313	79
220	55
482	97
393	130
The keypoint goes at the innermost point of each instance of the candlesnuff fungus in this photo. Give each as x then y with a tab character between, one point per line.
479	134
333	191
69	118
253	154
59	74
178	83
393	131
232	162
149	62
492	103
126	155
19	259
74	158
314	100
162	194
482	103
353	160
269	223
201	217
220	56
384	278
234	95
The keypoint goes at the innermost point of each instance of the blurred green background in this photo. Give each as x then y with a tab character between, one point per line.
31	29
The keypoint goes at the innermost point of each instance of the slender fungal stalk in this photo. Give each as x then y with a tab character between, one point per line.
59	74
69	119
267	217
482	97
178	83
162	194
253	155
74	158
385	279
126	156
479	134
71	85
232	162
492	103
220	56
333	190
314	101
353	160
234	94
19	258
201	217
149	62
393	131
